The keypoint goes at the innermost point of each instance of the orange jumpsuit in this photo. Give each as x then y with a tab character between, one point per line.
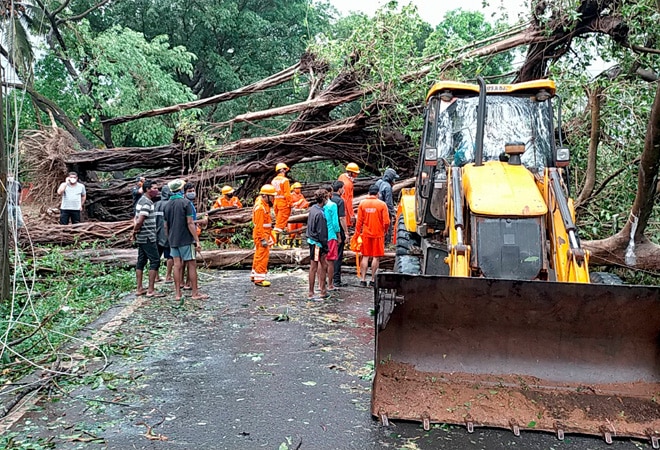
261	231
347	196
298	202
224	202
282	204
373	221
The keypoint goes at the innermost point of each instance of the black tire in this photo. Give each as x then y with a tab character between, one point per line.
404	262
604	278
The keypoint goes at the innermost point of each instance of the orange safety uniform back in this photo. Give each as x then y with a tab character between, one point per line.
347	196
373	219
261	220
283	191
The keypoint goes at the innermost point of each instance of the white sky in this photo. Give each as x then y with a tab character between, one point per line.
434	10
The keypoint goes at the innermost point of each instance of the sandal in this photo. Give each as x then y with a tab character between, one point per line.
200	297
155	294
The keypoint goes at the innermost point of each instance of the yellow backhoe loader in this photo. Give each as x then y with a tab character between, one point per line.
491	316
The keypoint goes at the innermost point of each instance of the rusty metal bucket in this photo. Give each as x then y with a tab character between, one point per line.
558	357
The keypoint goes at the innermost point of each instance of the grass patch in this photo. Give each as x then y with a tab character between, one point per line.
54	298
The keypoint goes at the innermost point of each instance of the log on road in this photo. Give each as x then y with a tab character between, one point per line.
221	259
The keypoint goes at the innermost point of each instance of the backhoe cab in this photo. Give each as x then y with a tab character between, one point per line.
491	316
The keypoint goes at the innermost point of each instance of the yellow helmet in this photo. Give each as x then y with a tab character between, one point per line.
296	185
352	167
281	166
267	189
227	190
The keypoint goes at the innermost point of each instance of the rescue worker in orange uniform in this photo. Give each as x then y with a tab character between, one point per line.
352	172
373	220
227	199
283	201
298	202
261	234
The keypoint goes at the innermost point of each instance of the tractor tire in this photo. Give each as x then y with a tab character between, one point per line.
405	262
604	278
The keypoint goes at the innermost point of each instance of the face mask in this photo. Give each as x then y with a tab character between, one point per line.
191	195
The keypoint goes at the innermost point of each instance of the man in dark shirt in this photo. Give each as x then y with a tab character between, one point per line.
144	233
337	193
317	238
183	239
163	243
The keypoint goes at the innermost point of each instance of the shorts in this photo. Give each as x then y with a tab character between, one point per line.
148	251
164	251
333	250
186	253
373	246
316	253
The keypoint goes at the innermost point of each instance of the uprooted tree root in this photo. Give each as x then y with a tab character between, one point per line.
44	153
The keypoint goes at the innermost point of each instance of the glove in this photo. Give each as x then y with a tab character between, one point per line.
264	243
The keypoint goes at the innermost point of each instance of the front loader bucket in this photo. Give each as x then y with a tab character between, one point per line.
559	357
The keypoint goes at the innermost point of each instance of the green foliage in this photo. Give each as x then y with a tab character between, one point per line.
236	42
316	171
131	74
397	42
71	293
460	29
625	109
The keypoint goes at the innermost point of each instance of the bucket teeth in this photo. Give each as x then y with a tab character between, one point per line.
469	423
426	422
607	434
654	437
514	427
384	421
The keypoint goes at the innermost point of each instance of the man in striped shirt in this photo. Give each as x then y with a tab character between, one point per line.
144	233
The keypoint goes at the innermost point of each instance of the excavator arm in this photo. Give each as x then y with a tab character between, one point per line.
569	260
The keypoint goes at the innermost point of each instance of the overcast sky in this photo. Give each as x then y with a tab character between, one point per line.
433	10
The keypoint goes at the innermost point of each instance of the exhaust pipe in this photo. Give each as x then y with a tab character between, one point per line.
481	123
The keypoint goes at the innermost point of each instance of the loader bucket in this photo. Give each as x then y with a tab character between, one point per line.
558	357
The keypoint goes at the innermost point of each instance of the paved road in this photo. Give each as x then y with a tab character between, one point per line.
234	373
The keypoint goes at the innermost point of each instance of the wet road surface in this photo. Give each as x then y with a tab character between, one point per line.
250	368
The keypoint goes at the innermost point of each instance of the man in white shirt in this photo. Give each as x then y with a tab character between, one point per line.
73	199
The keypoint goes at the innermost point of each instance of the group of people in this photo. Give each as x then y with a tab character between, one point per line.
329	220
166	225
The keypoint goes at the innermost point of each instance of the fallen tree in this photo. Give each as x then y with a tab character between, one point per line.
368	136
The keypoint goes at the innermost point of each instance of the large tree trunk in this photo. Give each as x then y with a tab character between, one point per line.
595	98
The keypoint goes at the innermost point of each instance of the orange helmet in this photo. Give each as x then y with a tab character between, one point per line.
352	167
296	185
267	189
281	166
227	190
